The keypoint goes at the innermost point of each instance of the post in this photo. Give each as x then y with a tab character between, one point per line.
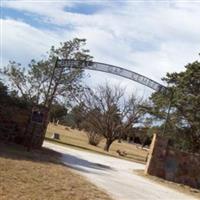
52	76
168	111
150	153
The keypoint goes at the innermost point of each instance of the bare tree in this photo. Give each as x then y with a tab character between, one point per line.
93	134
115	114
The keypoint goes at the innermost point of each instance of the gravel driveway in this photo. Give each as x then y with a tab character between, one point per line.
115	176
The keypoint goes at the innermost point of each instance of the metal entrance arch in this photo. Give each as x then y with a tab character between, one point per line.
97	66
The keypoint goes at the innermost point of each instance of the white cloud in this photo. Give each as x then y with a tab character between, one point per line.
149	38
22	42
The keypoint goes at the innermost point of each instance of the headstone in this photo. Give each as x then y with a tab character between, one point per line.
56	136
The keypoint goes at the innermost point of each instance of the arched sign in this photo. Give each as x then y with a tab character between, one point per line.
113	70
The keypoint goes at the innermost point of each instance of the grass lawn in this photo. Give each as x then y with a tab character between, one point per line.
78	139
38	175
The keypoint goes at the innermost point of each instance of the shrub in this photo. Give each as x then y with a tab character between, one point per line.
94	138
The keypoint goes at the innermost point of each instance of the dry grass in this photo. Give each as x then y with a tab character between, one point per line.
78	139
175	186
37	176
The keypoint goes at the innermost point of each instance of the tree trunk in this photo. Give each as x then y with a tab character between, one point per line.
107	145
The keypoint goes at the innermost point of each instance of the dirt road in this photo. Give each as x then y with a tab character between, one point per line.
115	176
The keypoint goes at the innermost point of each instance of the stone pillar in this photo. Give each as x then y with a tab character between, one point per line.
36	128
157	155
150	153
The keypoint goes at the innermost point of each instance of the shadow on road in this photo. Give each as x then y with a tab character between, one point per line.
83	165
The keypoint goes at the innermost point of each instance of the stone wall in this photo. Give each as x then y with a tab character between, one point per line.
16	126
35	132
13	123
173	165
